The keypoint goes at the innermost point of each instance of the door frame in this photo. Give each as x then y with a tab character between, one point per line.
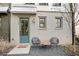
28	28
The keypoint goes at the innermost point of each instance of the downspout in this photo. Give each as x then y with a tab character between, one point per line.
9	19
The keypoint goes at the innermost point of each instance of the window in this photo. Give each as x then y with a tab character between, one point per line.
43	4
0	22
42	22
24	25
56	4
59	21
29	3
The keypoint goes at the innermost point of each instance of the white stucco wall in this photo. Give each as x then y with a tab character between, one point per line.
14	29
15	26
23	8
64	35
77	30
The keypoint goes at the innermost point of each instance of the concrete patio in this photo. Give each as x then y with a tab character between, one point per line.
53	51
43	51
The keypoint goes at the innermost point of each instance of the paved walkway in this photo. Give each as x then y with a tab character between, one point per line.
53	51
39	51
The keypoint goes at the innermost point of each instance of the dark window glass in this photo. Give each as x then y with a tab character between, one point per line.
29	3
56	4
43	4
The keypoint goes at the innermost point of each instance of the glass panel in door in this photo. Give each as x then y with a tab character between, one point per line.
24	31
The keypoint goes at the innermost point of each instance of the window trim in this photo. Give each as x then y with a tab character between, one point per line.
29	3
43	4
56	4
45	18
61	22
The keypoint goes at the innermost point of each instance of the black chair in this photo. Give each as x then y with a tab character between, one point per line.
54	41
35	41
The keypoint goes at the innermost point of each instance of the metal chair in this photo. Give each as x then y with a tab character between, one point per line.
35	41
54	41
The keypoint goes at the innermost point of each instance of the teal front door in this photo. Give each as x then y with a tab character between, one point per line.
24	30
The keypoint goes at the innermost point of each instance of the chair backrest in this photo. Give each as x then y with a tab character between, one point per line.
35	40
54	40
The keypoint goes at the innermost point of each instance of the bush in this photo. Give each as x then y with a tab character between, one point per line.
5	46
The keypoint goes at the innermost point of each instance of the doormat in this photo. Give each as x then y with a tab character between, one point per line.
22	46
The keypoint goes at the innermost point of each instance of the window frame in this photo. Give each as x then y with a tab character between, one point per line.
29	3
56	4
43	4
42	17
59	19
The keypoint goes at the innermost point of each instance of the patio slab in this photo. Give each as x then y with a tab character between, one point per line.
42	51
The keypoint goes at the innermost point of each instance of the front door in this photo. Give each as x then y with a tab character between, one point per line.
24	30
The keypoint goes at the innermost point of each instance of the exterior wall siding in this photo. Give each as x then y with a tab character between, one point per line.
14	29
50	12
64	35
